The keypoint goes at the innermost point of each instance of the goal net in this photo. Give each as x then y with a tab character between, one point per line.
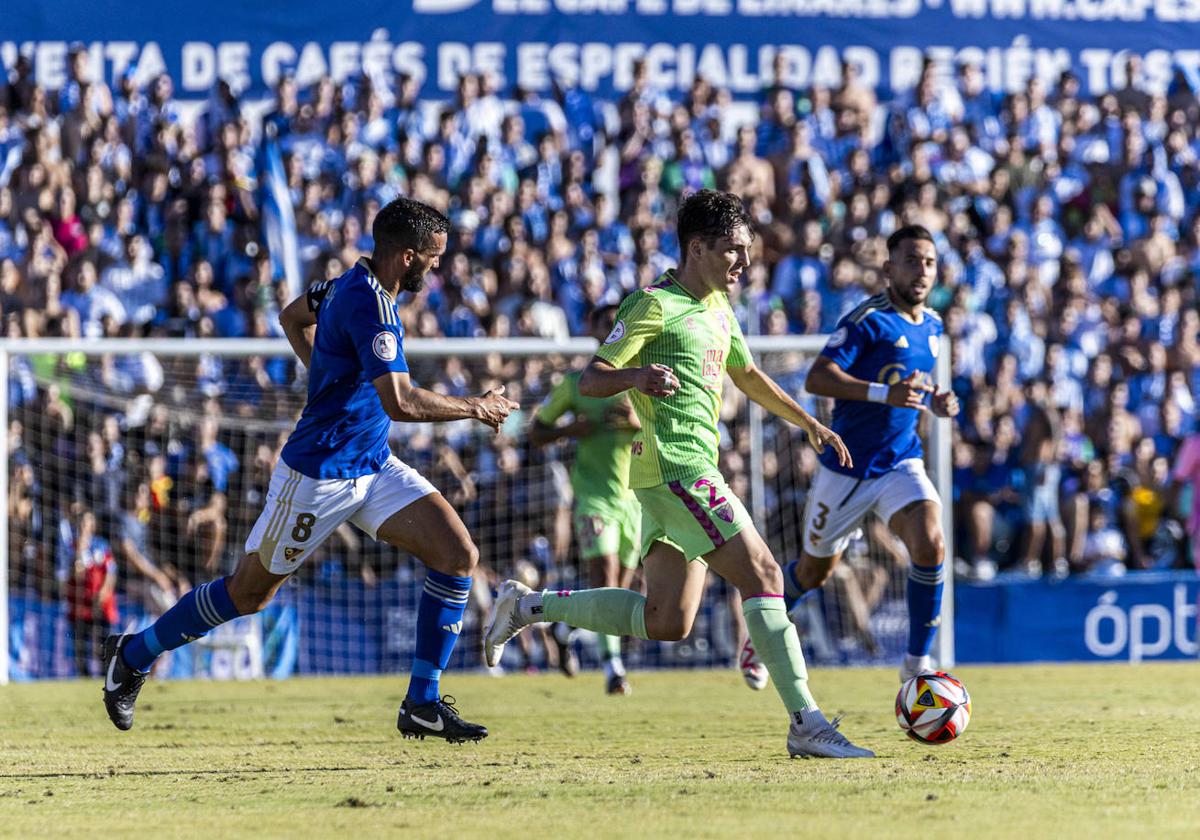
135	469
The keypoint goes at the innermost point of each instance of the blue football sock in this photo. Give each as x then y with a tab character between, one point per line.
924	606
793	592
197	612
439	621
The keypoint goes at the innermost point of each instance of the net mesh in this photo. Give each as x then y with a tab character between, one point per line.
134	477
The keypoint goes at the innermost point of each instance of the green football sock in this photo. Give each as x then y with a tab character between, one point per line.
610	646
609	611
778	647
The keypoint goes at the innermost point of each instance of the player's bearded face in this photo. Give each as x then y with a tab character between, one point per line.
414	276
913	271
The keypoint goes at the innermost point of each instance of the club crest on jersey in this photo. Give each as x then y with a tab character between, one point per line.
935	344
384	345
618	332
722	320
725	512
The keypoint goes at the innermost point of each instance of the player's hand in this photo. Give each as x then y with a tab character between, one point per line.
909	392
657	381
821	436
944	404
493	408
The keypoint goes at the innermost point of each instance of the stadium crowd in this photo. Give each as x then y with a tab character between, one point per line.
1068	228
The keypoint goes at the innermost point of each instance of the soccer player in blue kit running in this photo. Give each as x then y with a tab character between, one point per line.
876	366
337	466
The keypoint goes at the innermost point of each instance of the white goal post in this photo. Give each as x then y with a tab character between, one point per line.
939	445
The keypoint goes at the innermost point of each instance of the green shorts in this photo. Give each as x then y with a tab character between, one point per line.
696	515
604	528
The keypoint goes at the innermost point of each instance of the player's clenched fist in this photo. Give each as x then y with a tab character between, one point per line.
909	392
493	408
657	381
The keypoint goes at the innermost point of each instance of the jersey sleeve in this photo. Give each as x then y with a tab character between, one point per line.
639	321
557	403
316	295
376	333
739	353
846	344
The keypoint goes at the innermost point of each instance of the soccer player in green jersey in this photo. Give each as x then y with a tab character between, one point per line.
670	348
607	516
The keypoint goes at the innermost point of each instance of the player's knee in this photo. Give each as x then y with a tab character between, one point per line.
469	557
930	550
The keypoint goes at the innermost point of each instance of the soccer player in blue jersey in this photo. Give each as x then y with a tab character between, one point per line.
336	466
877	367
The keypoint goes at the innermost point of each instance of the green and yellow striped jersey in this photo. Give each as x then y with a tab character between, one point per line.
601	469
664	324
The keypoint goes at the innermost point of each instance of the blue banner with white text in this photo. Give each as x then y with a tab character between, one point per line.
342	626
1145	616
595	43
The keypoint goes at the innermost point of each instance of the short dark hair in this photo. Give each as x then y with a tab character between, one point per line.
710	214
407	223
916	232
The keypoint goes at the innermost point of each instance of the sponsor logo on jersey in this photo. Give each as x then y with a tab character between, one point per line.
714	363
838	338
384	345
291	553
456	627
618	332
902	342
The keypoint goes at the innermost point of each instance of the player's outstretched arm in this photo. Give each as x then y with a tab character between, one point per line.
601	379
766	392
404	402
299	324
827	379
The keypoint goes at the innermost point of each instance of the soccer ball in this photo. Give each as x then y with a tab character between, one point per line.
933	708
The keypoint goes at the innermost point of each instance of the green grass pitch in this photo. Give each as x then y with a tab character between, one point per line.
1076	751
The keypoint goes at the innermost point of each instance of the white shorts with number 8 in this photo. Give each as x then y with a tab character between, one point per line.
301	512
837	503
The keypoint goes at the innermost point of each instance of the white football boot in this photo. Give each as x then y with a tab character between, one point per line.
504	621
812	736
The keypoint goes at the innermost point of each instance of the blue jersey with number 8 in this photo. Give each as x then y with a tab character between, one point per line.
343	431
